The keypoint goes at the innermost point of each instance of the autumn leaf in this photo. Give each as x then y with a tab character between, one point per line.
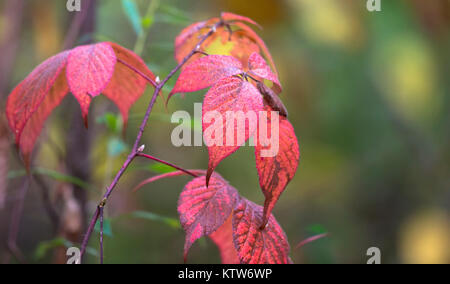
89	70
205	72
233	96
32	101
189	37
256	246
85	71
229	95
250	33
236	95
203	209
223	238
125	87
208	70
275	169
258	66
243	39
229	17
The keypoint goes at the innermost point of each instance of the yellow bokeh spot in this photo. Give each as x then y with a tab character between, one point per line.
328	21
425	239
406	73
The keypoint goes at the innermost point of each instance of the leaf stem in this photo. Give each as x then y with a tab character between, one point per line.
150	80
167	163
135	150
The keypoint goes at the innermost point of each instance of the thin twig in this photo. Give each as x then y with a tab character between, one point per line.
134	152
167	164
101	234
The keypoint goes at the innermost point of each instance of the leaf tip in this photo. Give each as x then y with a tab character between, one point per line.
208	176
86	121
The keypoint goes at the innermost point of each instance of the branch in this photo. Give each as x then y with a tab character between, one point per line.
135	150
101	234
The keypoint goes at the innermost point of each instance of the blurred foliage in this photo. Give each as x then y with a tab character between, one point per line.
368	95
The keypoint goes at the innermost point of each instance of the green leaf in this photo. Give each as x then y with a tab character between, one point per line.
132	11
161	168
171	222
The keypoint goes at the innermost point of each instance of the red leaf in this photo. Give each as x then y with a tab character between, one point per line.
245	40
189	37
233	17
255	246
254	36
127	86
232	95
243	46
276	168
25	99
89	70
223	238
258	66
86	71
205	72
203	210
33	99
36	122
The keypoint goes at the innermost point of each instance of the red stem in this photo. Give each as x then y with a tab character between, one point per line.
167	163
134	152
